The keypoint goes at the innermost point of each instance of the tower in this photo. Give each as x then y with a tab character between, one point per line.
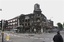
37	9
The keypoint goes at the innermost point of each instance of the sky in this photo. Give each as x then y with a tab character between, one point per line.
52	9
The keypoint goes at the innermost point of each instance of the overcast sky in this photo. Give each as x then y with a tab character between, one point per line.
52	9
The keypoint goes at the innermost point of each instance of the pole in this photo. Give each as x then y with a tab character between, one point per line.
2	32
2	29
2	37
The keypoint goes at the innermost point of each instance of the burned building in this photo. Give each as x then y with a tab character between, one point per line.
33	22
12	23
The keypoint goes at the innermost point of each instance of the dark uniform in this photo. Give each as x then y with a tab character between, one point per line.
58	37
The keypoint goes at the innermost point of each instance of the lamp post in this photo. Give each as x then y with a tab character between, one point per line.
2	24
2	21
0	9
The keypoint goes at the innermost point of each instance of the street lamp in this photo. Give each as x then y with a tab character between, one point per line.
2	24
0	9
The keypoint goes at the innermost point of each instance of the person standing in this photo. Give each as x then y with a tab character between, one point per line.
58	37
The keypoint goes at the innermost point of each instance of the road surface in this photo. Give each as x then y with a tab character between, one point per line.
18	37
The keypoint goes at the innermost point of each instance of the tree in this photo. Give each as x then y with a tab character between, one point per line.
60	27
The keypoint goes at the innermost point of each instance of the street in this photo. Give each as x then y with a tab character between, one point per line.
20	37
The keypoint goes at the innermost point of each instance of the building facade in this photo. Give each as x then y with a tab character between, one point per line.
34	22
12	23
